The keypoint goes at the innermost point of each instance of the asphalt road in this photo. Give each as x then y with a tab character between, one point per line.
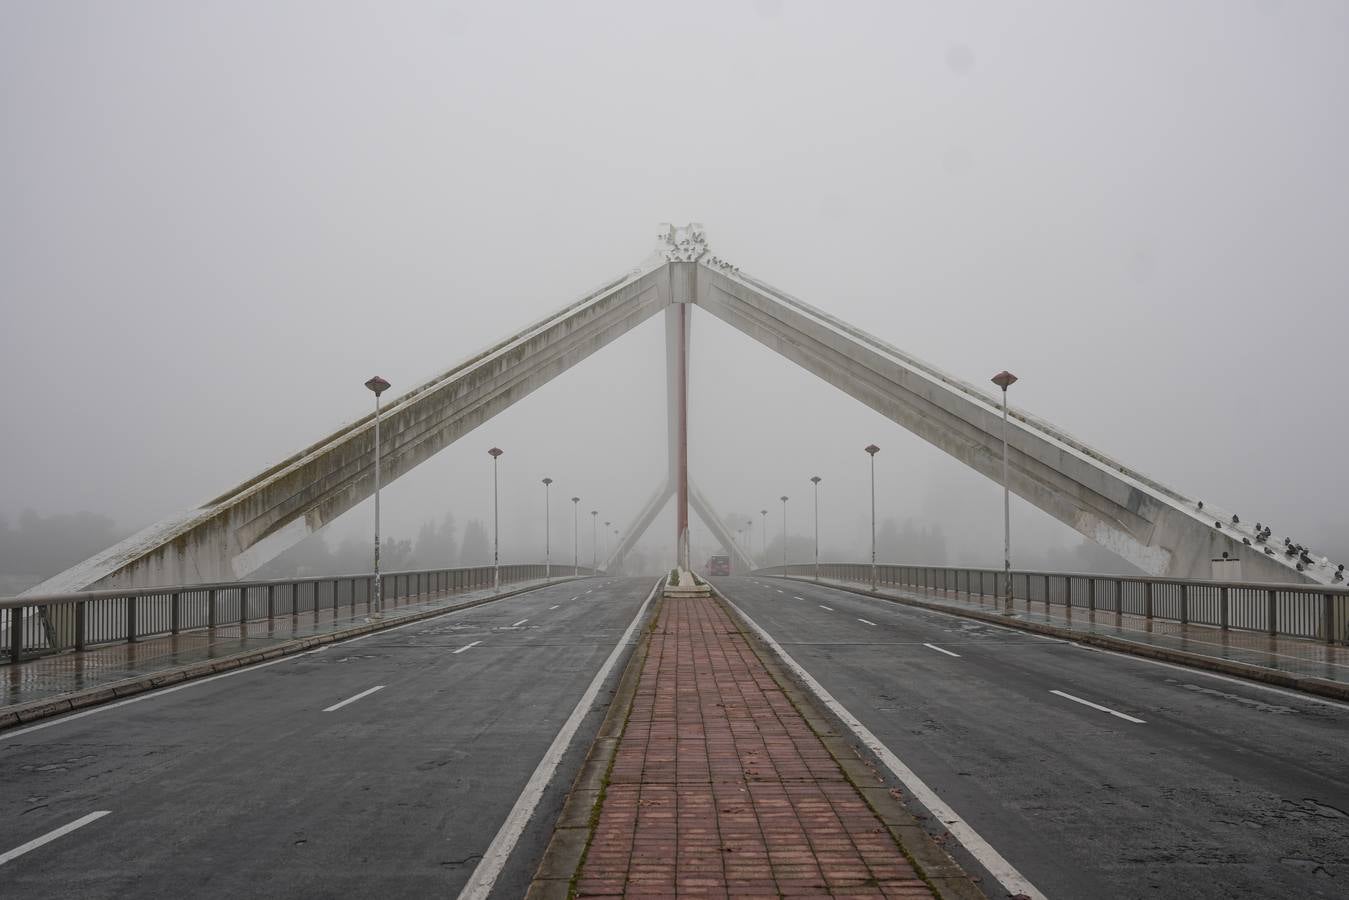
265	783
1223	789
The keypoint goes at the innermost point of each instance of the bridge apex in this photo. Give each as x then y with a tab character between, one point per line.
681	243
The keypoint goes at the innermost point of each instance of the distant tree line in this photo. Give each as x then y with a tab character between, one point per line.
38	547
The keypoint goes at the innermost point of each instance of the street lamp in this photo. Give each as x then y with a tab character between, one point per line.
749	544
379	386
763	535
872	450
547	527
594	546
495	453
606	543
783	498
575	544
815	480
1004	380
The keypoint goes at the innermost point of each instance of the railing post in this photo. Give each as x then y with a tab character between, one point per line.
243	606
176	614
1147	600
271	602
210	608
1273	614
1091	595
1184	604
16	634
1224	612
1046	596
79	624
131	619
1328	617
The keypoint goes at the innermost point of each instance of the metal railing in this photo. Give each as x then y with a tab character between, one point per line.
34	625
1308	611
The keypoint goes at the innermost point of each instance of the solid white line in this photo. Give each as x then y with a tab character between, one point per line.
378	687
519	623
196	682
552	608
980	849
1104	709
866	621
494	859
830	608
940	650
52	835
466	647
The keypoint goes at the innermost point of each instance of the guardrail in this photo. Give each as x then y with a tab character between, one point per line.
51	623
1303	611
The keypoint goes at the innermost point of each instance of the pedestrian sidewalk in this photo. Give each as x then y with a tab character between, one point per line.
49	677
1294	656
720	788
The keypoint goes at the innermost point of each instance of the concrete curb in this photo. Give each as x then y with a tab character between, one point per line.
34	710
934	865
567	847
1323	687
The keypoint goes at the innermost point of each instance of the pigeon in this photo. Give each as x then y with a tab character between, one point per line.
1269	551
1246	541
1217	524
1259	527
1235	519
1201	504
1299	567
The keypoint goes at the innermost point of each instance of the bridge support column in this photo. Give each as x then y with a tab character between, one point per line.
677	393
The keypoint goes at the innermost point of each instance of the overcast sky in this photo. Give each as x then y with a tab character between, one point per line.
218	219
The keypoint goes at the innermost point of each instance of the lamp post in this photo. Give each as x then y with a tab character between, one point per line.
547	526
495	453
763	535
606	545
783	498
1004	380
749	544
815	480
594	537
872	450
575	544
378	386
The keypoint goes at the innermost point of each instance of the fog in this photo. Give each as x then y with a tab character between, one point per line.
219	219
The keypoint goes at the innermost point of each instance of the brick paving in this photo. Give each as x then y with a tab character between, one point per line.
720	789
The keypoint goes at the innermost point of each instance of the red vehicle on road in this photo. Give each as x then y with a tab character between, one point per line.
719	565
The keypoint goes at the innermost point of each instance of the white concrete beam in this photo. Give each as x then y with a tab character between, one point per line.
235	533
1156	528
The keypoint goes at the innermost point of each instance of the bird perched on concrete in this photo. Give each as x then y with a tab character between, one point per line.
1246	541
1217	524
1269	551
1201	504
1235	519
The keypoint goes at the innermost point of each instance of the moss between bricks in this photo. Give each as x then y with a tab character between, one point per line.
638	660
798	699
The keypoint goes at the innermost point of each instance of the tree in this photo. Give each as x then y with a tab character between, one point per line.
476	549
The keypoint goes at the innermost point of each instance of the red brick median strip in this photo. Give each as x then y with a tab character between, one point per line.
720	788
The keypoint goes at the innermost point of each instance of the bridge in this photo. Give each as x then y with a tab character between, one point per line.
542	730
